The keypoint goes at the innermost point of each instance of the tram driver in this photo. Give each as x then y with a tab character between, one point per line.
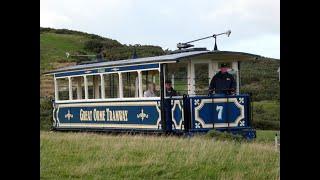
223	82
151	92
169	90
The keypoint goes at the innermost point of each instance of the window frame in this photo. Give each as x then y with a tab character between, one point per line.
102	99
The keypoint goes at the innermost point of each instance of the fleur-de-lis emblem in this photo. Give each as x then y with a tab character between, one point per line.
241	100
69	115
196	102
142	115
241	123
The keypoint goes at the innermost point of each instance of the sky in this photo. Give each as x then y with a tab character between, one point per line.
254	24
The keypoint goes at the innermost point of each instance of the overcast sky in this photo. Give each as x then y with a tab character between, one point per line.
255	24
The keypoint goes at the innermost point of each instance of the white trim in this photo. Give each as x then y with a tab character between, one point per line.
120	85
120	92
193	72
211	71
56	91
140	89
128	126
79	88
152	103
177	103
96	87
218	100
113	72
215	67
70	88
103	93
102	67
235	67
85	87
109	99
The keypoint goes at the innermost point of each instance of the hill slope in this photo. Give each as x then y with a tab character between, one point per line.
54	43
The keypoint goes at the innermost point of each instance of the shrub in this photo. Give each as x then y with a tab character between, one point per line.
224	135
266	125
93	45
46	118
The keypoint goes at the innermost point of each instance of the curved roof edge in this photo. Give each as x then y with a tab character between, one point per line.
154	59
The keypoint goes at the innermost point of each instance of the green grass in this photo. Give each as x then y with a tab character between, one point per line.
266	115
53	48
266	136
100	156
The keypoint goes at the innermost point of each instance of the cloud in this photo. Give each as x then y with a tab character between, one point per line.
166	23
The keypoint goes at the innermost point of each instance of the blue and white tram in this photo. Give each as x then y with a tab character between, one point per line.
109	95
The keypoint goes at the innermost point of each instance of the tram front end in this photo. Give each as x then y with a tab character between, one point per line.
226	113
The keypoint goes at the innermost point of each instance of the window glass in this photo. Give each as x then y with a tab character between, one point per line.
130	84
94	86
201	78
151	83
178	74
77	87
63	88
111	85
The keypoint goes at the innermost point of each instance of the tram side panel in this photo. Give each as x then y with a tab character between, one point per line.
140	115
221	113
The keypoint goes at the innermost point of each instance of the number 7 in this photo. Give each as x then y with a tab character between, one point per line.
219	109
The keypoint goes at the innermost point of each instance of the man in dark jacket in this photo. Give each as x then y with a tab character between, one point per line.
223	82
169	90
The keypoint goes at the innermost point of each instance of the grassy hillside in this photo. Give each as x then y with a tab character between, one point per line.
261	78
94	156
53	48
54	43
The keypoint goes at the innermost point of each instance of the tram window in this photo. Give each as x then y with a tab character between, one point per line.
77	87
111	85
178	74
201	78
94	87
149	78
130	84
63	88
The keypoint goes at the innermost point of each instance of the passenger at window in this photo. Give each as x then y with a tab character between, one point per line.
223	82
169	90
151	92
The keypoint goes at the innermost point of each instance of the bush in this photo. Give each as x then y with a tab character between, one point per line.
266	115
46	118
93	45
218	135
266	125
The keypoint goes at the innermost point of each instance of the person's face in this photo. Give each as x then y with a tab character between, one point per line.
152	87
168	85
224	69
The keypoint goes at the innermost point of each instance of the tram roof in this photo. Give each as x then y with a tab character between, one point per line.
205	54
